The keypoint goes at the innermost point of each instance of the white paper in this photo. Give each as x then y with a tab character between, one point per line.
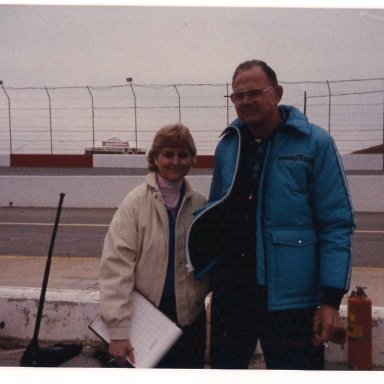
152	333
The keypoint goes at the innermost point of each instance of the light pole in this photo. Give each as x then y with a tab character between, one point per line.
129	80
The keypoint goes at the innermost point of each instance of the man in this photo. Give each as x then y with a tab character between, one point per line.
275	235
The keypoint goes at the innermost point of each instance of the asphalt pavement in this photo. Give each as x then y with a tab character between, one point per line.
25	235
27	232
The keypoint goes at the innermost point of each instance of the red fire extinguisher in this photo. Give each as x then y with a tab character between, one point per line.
359	330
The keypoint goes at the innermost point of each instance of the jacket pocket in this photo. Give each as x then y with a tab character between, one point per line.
294	267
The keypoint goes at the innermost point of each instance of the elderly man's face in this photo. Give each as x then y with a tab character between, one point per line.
255	99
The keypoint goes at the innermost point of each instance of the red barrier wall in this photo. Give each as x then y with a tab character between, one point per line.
204	161
78	161
51	161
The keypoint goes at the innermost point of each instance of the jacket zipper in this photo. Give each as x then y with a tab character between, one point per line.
263	221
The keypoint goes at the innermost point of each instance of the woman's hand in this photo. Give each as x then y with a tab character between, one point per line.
121	349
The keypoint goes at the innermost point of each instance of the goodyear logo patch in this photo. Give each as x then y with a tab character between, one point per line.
297	158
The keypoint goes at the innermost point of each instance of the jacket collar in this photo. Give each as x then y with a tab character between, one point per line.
151	181
292	118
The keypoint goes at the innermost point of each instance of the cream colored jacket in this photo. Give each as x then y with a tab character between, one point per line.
135	254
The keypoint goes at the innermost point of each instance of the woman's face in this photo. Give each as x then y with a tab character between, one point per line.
174	163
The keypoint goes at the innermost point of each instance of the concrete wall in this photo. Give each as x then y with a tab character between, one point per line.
81	191
5	161
352	162
367	192
120	161
362	162
68	313
108	191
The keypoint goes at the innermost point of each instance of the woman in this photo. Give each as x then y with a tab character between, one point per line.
145	249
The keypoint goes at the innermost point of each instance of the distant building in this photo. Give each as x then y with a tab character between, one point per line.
114	145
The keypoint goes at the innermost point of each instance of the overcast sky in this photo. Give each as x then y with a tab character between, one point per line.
52	45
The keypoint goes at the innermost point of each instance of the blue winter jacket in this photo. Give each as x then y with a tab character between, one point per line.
304	216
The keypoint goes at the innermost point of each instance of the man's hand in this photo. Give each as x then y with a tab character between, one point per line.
326	324
120	349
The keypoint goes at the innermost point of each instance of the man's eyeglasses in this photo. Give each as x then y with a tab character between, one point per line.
253	94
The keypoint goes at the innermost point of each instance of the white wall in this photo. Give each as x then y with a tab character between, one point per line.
362	162
119	161
80	191
355	162
4	161
108	191
367	192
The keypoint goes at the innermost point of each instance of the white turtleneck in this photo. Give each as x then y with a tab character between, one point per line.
170	191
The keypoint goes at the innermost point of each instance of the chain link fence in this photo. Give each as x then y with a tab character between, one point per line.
66	120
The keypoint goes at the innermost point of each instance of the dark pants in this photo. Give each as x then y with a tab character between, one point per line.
189	350
240	319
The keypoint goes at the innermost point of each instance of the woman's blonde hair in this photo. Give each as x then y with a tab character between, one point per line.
173	136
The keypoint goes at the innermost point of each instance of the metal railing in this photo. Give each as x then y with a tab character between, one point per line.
69	119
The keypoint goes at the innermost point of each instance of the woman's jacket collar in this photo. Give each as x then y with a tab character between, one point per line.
151	181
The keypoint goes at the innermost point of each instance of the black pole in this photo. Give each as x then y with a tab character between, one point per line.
34	355
46	273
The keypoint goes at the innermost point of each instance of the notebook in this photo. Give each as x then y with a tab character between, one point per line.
152	333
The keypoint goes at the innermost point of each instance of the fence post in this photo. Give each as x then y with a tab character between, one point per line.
129	80
305	103
93	118
50	118
178	95
383	127
9	117
227	97
329	107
